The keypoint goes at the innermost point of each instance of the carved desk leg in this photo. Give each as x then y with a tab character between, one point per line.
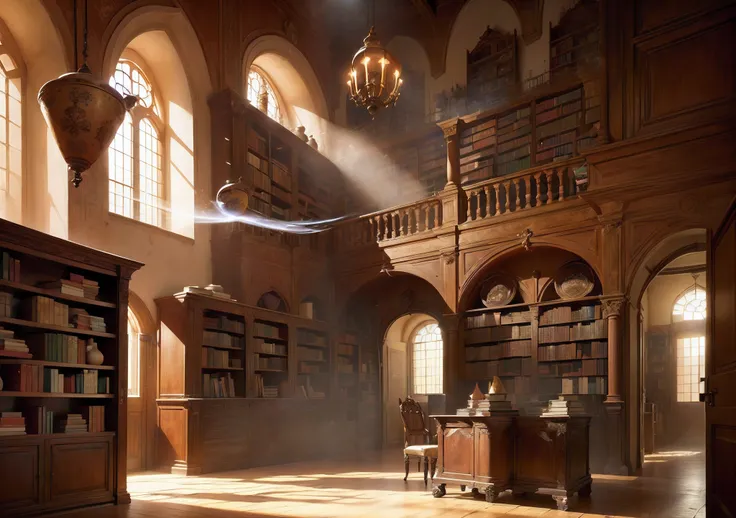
406	466
426	469
491	494
561	502
439	491
433	466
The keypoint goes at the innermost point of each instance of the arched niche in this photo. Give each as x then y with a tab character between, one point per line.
274	301
293	78
40	197
531	271
165	40
470	23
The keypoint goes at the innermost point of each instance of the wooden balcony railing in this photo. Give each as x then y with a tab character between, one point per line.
521	191
406	220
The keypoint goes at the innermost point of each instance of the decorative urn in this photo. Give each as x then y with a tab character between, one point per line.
232	198
313	143
94	355
301	132
84	113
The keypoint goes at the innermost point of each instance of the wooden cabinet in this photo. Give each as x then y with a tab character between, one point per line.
476	452
492	454
43	468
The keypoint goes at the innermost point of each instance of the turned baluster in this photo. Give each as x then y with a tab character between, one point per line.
519	196
487	190
497	194
369	231
437	219
528	191
417	219
400	227
470	202
538	179
550	193
561	178
378	227
426	217
386	231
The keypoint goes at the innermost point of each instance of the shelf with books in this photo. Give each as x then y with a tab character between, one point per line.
12	286
313	362
223	353
270	348
16	322
348	365
63	365
62	395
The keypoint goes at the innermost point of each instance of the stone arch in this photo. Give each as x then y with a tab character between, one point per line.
294	80
274	301
145	319
42	196
478	273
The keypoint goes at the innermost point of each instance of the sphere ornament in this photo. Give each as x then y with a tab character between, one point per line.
232	198
375	76
84	113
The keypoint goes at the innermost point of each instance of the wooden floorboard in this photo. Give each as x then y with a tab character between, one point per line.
671	486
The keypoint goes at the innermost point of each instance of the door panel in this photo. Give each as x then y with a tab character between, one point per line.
396	376
137	442
720	412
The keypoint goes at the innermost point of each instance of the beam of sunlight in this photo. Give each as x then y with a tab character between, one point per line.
364	165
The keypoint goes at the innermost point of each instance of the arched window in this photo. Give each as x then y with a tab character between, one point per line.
261	94
136	157
426	360
134	356
10	114
690	306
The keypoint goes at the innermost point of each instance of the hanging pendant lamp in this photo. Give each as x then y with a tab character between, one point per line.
374	80
83	112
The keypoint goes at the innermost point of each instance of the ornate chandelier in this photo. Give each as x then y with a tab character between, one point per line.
375	76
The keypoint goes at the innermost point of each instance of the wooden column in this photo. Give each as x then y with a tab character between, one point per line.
451	131
614	403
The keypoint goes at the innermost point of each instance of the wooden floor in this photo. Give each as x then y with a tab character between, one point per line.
671	486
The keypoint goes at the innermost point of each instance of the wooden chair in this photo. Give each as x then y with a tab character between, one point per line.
416	438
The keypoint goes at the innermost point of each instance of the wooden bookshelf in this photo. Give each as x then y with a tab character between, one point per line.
553	127
57	379
574	42
492	64
313	363
348	365
271	357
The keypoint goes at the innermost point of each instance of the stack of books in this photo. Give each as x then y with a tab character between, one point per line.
6	304
218	385
76	285
12	423
496	401
80	319
563	408
73	423
10	268
211	290
12	347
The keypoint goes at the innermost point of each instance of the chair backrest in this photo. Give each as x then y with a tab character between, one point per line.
415	428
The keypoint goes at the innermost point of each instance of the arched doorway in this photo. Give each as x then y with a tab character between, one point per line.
413	365
141	385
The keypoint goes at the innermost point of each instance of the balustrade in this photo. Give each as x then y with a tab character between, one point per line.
519	192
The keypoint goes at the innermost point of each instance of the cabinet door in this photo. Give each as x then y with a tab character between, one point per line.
79	470
19	474
458	451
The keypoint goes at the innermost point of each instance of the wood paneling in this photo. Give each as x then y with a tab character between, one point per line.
19	475
652	14
687	74
79	469
172	444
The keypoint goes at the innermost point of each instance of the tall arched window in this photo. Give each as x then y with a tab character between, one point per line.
136	157
426	360
10	114
690	305
261	94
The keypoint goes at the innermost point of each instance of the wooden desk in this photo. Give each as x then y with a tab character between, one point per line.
524	454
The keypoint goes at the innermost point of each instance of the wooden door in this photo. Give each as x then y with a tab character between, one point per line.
720	388
395	381
136	400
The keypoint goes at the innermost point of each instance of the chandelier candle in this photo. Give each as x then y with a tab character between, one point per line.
368	89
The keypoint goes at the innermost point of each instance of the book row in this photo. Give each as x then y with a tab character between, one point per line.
37	378
265	391
271	363
263	346
310	368
598	330
218	385
572	351
216	358
497	334
217	339
307	354
56	347
268	331
345	349
497	318
41	421
565	314
597	367
223	323
10	267
499	351
306	337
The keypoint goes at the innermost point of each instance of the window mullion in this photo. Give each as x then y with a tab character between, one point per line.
136	171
